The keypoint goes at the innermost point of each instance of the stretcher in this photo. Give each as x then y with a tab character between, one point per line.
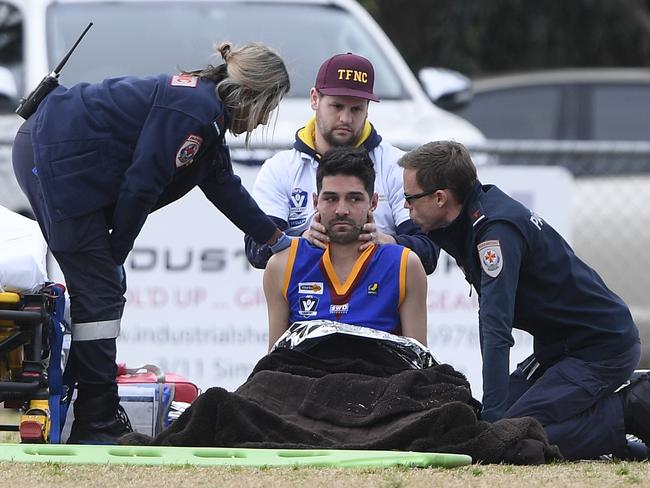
31	377
228	456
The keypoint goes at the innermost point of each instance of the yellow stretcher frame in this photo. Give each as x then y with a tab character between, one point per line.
23	323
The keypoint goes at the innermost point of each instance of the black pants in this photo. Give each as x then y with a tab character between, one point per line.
575	401
96	285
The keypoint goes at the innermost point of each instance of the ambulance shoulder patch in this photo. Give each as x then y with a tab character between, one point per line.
185	80
491	257
188	150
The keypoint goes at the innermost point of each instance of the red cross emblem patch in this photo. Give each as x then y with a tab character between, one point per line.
491	258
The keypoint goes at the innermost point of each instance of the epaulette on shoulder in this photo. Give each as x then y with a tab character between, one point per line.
476	215
219	125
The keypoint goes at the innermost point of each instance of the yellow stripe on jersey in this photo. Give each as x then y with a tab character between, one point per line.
402	274
293	249
343	288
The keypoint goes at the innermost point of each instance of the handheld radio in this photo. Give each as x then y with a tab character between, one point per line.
28	105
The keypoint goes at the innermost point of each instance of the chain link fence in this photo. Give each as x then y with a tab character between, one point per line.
611	211
581	158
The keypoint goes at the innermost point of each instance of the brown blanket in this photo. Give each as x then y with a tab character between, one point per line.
349	394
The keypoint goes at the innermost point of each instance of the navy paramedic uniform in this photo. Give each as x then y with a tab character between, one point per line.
103	156
586	344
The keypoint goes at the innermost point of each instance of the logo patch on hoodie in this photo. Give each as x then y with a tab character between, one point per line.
188	150
298	207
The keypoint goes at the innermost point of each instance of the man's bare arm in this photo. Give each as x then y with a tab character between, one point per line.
413	311
277	306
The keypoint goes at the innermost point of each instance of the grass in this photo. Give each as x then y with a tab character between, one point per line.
573	475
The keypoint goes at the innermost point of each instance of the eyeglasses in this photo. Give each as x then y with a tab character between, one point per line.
415	196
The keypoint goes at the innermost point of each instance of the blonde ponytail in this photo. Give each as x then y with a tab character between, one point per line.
256	81
251	82
224	49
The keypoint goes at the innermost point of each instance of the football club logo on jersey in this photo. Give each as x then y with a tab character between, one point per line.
373	288
310	287
491	258
298	198
308	306
188	150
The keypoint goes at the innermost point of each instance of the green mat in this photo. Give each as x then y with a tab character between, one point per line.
223	456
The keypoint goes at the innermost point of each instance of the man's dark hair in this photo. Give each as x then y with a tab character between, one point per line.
442	165
349	161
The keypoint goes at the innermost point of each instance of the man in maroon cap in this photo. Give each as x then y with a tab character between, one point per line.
285	184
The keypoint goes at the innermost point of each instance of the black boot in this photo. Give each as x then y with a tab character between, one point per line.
99	420
636	407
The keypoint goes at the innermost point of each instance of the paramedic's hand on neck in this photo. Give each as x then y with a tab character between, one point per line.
316	234
370	234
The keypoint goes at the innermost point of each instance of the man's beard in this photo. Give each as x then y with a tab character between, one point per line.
334	141
338	142
344	237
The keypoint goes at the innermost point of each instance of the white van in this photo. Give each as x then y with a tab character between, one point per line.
146	37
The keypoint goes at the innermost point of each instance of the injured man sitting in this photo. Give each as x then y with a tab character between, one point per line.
382	287
348	367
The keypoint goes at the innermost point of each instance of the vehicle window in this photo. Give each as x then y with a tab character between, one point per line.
516	113
11	51
145	38
620	112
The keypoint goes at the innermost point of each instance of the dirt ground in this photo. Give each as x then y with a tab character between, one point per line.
574	475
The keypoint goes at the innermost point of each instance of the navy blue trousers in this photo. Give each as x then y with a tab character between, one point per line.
575	401
96	285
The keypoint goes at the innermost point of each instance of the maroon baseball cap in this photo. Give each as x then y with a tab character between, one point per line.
347	75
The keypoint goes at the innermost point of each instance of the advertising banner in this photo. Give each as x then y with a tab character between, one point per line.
195	307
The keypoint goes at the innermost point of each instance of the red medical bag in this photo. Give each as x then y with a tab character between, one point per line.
184	390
